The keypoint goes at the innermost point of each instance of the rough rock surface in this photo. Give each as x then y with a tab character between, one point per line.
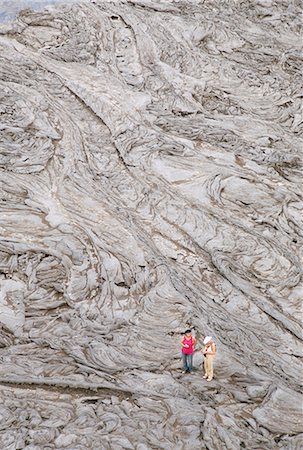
150	176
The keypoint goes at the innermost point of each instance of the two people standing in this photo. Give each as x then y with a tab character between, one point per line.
188	343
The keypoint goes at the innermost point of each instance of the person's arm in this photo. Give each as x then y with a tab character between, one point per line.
194	342
213	349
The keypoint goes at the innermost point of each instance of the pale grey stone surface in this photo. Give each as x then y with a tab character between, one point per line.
150	180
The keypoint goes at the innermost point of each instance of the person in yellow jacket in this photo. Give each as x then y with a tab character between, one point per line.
209	352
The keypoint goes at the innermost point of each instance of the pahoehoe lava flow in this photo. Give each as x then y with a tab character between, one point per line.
150	181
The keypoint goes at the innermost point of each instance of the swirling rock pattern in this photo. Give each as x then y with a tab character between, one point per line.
150	181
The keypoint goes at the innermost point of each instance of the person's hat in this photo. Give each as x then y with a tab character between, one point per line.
207	340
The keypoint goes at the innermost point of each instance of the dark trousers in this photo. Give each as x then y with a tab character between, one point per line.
187	361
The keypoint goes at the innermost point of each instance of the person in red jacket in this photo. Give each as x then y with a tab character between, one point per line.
188	343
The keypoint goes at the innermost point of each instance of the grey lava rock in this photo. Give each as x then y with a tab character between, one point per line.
150	181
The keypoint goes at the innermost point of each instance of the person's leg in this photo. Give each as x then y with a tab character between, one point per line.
205	367
190	362
210	368
184	361
187	363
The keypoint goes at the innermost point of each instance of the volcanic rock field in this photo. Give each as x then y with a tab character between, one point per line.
151	181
